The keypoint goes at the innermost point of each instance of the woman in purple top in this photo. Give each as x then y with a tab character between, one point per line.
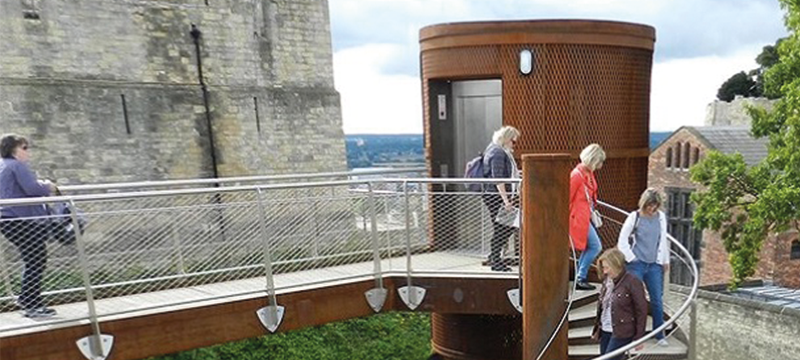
24	225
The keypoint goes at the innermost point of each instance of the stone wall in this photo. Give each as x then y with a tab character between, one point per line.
112	91
722	113
734	328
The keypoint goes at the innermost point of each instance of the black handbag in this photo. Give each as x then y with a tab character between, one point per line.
62	228
632	236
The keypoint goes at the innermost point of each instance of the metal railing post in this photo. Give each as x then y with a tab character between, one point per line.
4	272
484	251
271	315
376	297
315	220
693	330
412	295
98	345
176	243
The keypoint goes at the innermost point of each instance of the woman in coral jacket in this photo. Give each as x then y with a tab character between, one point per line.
582	201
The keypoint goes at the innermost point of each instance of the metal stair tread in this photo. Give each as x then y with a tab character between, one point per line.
583	312
675	348
583	294
586	331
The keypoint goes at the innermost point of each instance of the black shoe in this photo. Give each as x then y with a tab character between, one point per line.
40	312
501	267
583	285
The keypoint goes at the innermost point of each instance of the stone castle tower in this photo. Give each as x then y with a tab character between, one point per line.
130	90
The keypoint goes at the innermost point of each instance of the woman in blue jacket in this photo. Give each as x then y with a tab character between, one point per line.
25	226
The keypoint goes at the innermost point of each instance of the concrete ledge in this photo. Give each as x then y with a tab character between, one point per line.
731	299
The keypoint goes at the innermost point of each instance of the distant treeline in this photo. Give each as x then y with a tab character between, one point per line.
391	150
382	150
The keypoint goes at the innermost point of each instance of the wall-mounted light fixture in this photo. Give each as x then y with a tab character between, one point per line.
525	61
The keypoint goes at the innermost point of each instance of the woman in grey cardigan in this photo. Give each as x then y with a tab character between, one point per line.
498	163
25	225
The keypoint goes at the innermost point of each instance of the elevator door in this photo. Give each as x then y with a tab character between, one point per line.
478	113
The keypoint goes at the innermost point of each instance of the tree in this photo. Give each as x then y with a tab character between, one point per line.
738	84
744	85
766	59
746	204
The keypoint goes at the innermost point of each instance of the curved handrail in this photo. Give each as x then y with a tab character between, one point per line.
569	304
196	191
238	179
152	193
681	311
231	189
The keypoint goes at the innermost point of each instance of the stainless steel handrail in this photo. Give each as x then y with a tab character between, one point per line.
156	193
194	191
681	311
239	179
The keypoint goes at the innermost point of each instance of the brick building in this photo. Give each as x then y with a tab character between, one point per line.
668	171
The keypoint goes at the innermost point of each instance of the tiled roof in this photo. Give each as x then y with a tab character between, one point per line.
772	294
732	139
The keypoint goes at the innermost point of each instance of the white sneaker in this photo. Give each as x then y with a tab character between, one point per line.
662	343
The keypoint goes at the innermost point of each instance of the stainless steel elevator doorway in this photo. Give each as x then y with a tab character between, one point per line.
478	106
477	113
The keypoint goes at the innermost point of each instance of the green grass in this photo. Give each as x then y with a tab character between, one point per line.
396	335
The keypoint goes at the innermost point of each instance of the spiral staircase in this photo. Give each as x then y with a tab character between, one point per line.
582	347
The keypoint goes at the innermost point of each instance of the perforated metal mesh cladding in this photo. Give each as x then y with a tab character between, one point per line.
576	95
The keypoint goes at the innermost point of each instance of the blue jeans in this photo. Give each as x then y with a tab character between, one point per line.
593	247
609	344
652	274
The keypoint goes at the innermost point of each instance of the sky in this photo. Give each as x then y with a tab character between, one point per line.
699	45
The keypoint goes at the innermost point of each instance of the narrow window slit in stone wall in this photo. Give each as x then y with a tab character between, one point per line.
31	9
125	114
30	15
258	118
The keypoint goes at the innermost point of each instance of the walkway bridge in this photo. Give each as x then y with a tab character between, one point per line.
172	266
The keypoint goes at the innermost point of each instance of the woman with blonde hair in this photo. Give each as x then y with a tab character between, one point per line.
582	202
621	308
643	240
499	163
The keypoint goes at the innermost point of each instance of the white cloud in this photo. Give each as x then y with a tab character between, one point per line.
377	103
681	89
372	102
700	44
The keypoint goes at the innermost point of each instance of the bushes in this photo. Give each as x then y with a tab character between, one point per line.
396	335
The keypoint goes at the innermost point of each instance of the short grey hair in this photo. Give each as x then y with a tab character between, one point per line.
504	134
592	156
649	197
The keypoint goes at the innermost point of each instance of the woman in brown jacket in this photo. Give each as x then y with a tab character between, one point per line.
622	306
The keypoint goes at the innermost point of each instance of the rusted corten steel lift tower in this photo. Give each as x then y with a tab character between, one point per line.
564	84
